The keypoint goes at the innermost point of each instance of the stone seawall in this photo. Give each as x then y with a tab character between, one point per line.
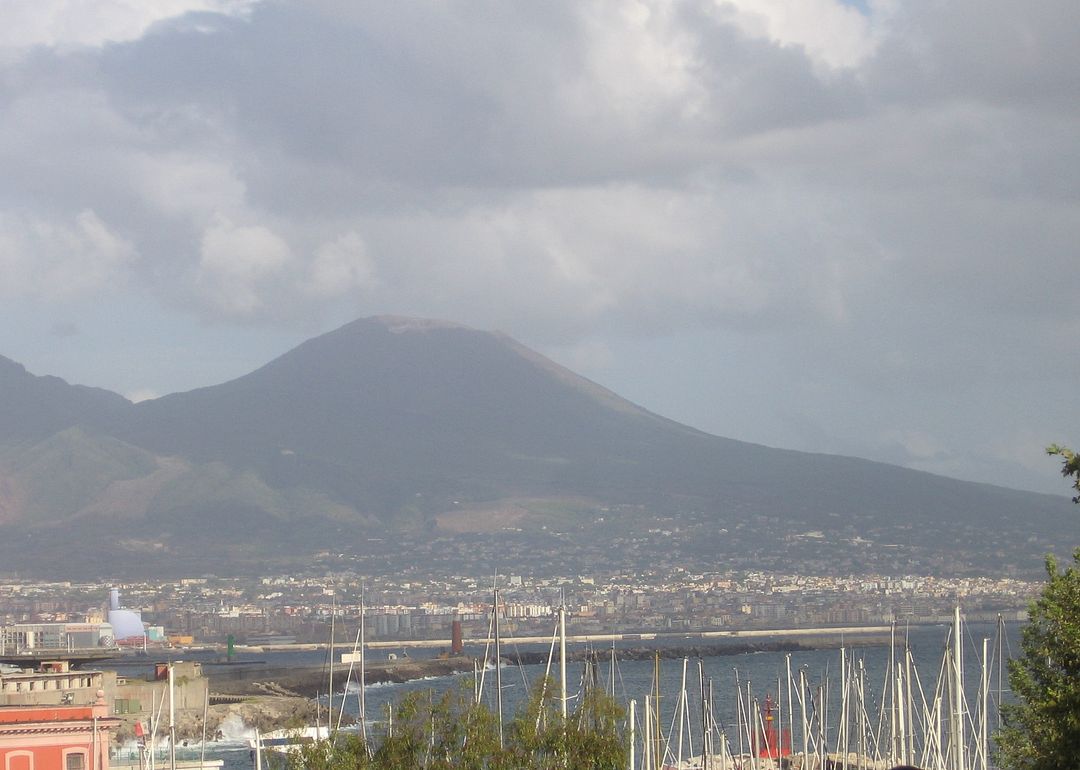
309	681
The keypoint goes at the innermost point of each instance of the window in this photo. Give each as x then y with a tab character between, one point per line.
76	761
20	760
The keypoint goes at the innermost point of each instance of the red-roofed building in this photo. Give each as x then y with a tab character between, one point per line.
56	737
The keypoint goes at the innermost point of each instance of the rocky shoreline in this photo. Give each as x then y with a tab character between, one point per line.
802	644
273	697
310	681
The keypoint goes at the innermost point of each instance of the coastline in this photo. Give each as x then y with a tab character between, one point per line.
277	696
310	681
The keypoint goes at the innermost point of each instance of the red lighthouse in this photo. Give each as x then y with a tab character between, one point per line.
769	740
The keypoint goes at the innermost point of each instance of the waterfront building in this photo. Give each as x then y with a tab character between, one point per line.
52	683
22	638
56	737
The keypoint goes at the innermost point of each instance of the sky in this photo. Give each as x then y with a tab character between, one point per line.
826	226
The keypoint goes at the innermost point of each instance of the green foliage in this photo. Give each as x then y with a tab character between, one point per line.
1070	466
451	732
346	752
1042	729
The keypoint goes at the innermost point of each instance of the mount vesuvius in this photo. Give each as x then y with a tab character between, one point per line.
400	425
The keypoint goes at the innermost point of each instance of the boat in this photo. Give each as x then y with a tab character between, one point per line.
288	741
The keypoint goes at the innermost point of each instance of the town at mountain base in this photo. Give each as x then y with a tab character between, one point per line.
405	430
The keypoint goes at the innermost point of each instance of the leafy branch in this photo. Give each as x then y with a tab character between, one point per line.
1070	466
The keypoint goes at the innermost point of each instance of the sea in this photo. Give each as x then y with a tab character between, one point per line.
765	674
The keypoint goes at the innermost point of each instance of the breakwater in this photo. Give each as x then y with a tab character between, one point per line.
708	650
310	681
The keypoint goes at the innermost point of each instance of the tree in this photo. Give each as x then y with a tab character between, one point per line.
346	752
589	739
1042	728
452	732
1070	465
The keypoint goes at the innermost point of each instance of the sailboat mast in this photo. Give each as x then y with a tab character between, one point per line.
805	724
172	720
363	673
753	715
984	735
562	657
1000	662
657	745
842	736
958	693
894	722
705	743
909	703
498	668
681	712
330	688
790	708
647	737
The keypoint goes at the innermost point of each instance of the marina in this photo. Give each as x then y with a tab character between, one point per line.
805	707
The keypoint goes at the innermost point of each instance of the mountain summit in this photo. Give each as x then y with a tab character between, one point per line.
400	425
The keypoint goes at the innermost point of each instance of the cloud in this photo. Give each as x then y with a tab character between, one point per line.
56	261
620	257
64	329
187	186
236	263
880	195
65	23
833	34
144	394
649	165
341	266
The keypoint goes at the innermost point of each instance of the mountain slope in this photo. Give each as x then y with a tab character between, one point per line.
391	424
382	410
33	407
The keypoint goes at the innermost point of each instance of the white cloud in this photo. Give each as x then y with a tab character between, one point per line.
59	260
661	164
188	185
63	23
639	68
589	357
340	267
238	264
832	33
633	257
142	394
891	191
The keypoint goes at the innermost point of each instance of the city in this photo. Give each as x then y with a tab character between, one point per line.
283	609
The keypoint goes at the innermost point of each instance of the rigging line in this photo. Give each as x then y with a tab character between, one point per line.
517	654
348	679
487	650
547	671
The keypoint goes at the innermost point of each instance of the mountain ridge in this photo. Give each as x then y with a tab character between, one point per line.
393	424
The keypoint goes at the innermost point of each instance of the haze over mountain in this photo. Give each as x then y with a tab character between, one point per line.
397	425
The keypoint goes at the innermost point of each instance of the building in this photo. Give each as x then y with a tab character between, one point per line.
127	624
53	683
56	737
37	637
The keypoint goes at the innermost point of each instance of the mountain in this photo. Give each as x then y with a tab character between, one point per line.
407	428
34	407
